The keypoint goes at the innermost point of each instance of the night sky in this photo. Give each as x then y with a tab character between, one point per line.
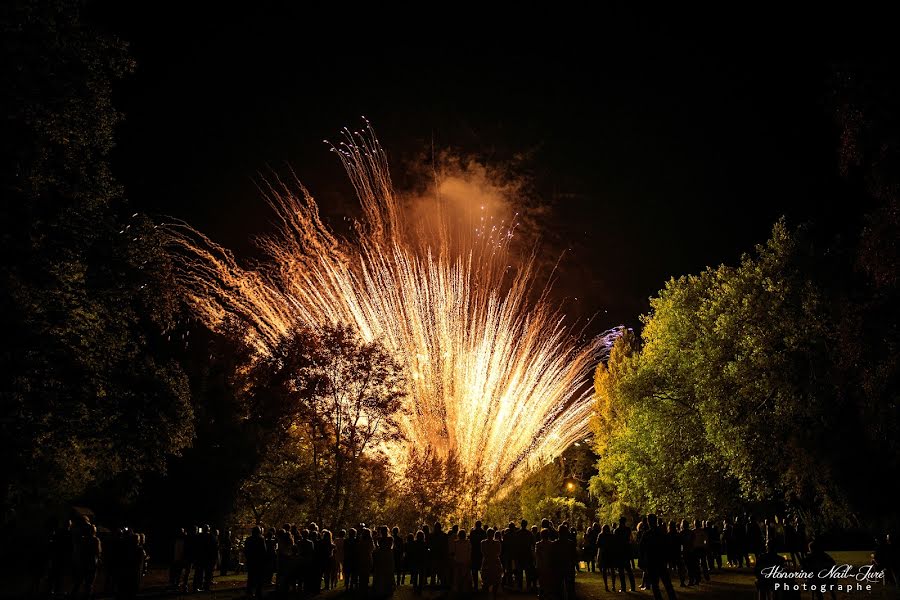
657	163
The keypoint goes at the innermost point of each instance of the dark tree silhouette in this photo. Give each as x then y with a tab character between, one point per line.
88	392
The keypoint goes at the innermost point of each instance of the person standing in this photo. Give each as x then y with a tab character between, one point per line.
589	546
210	556
225	553
179	558
339	557
605	556
131	561
741	543
688	556
271	556
676	560
308	574
285	567
700	543
350	559
545	559
88	551
491	566
715	545
325	559
623	534
567	557
364	549
399	563
818	562
476	536
462	563
525	554
383	567
256	556
439	554
416	557
654	553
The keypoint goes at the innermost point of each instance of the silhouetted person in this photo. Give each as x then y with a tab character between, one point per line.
688	555
741	542
191	557
383	567
548	568
673	536
325	559
308	572
129	572
885	558
639	530
225	543
700	543
88	551
271	556
440	553
476	536
462	563
605	556
339	540
207	552
491	567
816	562
728	544
399	563
801	542
365	547
715	544
756	541
623	533
765	586
567	557
416	557
351	560
589	546
655	551
256	557
525	554
506	552
179	558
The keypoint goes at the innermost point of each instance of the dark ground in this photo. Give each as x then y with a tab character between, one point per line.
724	584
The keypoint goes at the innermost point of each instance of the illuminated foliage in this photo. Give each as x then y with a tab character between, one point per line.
733	396
334	402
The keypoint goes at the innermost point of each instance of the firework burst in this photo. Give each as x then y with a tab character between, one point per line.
495	375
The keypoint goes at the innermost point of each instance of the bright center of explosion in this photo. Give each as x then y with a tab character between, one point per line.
495	377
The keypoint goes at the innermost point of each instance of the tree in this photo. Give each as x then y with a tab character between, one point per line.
867	294
561	509
549	481
731	396
431	488
89	391
333	402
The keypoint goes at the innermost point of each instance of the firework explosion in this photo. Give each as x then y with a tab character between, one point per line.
494	376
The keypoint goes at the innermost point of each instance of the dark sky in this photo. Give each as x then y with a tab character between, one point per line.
658	162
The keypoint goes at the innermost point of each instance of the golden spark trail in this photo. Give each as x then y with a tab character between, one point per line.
494	377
